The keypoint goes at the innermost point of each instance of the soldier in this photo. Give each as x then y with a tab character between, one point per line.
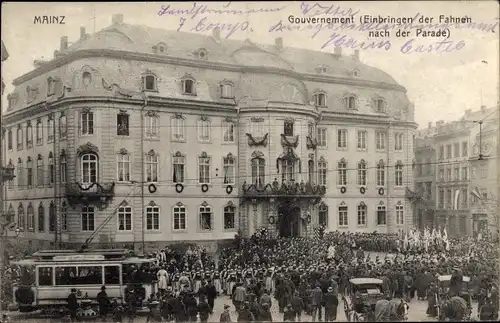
225	316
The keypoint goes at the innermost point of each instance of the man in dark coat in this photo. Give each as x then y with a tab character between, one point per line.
316	301
245	315
225	316
103	301
204	309
211	294
191	307
265	314
297	305
72	304
331	304
289	314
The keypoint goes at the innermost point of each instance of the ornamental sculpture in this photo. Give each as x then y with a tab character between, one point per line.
289	141
284	190
311	143
257	141
96	194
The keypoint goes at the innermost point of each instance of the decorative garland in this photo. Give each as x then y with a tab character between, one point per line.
362	190
271	220
204	188
253	142
289	143
343	189
229	189
179	188
152	188
381	191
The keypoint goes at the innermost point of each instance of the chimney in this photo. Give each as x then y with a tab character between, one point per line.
216	33
82	32
337	51
64	43
279	43
356	54
117	19
429	125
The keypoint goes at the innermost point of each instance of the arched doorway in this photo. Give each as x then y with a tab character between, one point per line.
289	221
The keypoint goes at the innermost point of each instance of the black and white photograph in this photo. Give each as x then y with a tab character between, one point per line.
250	161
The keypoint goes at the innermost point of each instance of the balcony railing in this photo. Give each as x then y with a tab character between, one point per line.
283	190
98	194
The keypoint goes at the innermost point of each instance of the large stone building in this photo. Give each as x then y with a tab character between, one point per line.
448	170
161	136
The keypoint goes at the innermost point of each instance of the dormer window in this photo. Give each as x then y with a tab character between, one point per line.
51	85
288	128
188	86
226	90
350	102
380	105
122	124
160	48
149	82
202	53
355	73
320	99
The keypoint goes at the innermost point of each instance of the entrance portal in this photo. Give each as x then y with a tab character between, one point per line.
289	221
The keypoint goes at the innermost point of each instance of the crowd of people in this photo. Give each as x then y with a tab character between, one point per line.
306	275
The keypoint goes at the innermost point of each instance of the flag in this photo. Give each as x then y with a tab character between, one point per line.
455	200
447	245
445	235
475	193
405	242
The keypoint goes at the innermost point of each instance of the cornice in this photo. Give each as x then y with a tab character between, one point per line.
118	54
367	119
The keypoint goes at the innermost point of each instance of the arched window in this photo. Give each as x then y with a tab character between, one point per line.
258	170
152	216
89	164
11	215
226	90
50	129
64	167
381	214
123	166
29	135
41	218
322	171
229	169
151	167
380	105
39	132
39	171
205	217
30	217
63	129
380	173
204	168
400	214
52	173
362	214
152	122
342	169
64	216
323	215
229	217
149	82
52	217
398	179
20	217
362	173
29	169
19	137
179	217
319	99
343	215
310	168
350	102
20	174
125	218
188	86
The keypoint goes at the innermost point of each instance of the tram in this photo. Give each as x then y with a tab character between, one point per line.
47	278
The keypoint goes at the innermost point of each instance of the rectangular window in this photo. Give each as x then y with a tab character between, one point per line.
229	217
66	276
40	176
228	128
152	126
441	152
464	198
52	173
456	149
449	199
380	174
203	130
441	198
111	275
310	130
228	170
178	168
343	217
323	216
400	215
322	173
63	129
257	129
288	128
123	167
321	138
50	130
89	275
178	129
448	174
398	180
441	174
342	138
465	147
19	138
152	218
87	123
9	139
484	170
64	217
398	141
205	216
258	171
45	276
362	215
179	218
342	172
122	125
362	140
63	169
456	174
124	218
381	215
151	168
88	214
29	136
380	140
362	174
30	174
204	170
39	133
448	151
465	173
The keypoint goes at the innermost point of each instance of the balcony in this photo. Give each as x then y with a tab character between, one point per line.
284	191
97	194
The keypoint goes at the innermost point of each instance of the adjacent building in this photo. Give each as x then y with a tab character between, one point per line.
148	136
449	169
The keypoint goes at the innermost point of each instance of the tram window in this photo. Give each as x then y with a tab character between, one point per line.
66	275
89	275
111	275
45	276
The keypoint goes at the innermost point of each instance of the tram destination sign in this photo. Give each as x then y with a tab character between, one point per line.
79	258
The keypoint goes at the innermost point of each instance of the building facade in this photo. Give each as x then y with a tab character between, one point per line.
124	138
449	155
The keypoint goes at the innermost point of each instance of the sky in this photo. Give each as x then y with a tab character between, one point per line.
442	84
